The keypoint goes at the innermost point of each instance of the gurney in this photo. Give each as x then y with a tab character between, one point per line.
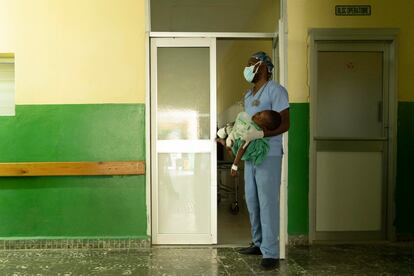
227	189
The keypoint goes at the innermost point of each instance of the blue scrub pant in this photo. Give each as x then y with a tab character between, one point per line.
262	189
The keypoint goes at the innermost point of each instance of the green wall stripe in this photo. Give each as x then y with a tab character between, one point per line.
298	175
107	132
405	182
115	206
72	206
101	206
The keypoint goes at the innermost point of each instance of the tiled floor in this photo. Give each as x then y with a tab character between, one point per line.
233	228
393	259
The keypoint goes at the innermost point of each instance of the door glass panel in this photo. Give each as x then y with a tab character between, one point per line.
183	110
349	102
184	189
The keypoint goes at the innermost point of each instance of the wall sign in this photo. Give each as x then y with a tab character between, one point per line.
353	10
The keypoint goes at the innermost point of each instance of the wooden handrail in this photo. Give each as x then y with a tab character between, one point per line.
72	168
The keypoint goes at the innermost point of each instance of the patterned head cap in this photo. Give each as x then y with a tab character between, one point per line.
262	56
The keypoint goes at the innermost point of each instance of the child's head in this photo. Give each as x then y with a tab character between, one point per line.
267	119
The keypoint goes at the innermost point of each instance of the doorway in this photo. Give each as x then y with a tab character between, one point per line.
194	198
352	137
233	225
221	22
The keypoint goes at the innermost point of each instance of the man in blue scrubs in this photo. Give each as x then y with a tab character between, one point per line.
262	182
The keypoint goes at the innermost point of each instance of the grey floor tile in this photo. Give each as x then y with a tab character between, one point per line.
393	259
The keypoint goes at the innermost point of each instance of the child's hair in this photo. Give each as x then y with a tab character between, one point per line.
272	119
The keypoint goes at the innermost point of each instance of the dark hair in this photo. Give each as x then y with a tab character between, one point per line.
273	119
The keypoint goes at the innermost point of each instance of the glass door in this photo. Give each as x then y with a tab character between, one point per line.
183	149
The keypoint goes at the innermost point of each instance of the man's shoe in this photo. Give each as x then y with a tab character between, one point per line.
269	263
251	250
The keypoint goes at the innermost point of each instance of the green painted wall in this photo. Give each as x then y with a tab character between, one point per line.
115	206
298	175
74	133
73	206
405	180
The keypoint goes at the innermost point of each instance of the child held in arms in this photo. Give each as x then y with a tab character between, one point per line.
255	150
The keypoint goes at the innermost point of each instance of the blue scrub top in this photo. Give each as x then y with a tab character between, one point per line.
271	96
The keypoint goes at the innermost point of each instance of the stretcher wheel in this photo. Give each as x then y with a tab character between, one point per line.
234	208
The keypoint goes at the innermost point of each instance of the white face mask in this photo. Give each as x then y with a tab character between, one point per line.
249	72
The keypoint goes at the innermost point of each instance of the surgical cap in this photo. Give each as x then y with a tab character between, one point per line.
262	56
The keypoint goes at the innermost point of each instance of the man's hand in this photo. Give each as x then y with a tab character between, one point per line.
253	134
222	133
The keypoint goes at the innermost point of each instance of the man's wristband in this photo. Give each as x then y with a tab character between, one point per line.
234	167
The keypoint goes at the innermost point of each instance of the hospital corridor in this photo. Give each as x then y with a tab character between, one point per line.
206	137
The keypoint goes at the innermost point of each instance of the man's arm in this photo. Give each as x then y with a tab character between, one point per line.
284	125
239	156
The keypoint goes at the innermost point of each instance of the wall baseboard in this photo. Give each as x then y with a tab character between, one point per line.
298	240
405	238
53	244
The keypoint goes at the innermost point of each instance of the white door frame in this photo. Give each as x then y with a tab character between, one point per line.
283	80
283	73
389	37
208	146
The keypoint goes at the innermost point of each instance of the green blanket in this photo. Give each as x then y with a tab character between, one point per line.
255	152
